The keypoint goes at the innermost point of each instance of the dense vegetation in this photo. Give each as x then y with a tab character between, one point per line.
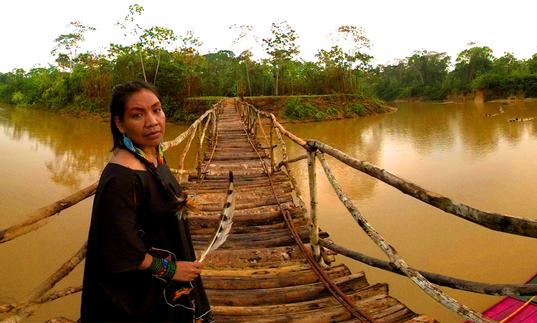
83	81
429	75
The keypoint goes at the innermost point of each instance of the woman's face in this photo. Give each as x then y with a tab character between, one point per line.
143	120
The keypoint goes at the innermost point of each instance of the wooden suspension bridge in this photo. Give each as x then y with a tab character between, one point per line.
277	265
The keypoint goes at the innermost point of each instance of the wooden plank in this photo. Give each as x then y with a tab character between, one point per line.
260	274
271	279
281	295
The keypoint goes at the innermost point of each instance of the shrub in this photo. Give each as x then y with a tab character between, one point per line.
19	99
358	109
332	111
297	110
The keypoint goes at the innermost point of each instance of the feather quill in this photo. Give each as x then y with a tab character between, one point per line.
226	221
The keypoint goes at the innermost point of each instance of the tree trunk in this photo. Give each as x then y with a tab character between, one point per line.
143	67
276	80
248	79
156	70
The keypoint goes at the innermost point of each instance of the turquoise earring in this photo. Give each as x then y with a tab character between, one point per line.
128	143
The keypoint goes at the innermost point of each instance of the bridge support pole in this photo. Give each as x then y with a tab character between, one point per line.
199	155
314	232
271	147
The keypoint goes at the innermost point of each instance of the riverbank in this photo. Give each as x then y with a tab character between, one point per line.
463	100
303	108
319	107
296	108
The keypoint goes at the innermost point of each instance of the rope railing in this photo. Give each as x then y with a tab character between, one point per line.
39	218
495	221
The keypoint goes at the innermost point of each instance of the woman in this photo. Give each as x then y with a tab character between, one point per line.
140	263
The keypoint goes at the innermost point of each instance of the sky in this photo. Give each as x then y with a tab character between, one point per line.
396	28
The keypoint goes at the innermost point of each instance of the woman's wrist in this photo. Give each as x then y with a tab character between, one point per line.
146	263
163	268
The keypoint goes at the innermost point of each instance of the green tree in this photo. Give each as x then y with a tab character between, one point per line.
155	40
391	82
346	59
335	65
132	29
67	45
220	75
508	64
282	47
531	64
189	56
471	63
244	41
428	71
355	44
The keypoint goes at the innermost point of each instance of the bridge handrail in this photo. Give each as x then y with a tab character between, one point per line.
417	278
42	216
494	221
316	150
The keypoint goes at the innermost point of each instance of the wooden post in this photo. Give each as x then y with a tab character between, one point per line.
257	124
262	128
200	146
200	150
271	148
210	133
247	117
187	148
250	121
214	126
314	233
282	143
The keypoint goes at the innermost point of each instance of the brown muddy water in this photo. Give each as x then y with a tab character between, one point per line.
452	149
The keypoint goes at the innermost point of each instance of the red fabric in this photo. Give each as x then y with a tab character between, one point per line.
509	305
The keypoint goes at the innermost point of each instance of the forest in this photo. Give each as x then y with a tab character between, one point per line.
82	81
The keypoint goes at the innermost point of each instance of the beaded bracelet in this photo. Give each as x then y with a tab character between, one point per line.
163	268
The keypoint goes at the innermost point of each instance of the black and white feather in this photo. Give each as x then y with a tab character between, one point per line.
226	221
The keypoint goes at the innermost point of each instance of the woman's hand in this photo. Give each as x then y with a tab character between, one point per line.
187	271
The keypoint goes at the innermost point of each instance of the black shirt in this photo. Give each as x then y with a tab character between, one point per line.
132	213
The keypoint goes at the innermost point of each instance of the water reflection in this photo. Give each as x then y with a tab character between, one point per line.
427	126
78	147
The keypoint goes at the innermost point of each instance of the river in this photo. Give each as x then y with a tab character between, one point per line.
451	149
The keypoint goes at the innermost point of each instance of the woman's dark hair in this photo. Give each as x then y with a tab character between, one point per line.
120	95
